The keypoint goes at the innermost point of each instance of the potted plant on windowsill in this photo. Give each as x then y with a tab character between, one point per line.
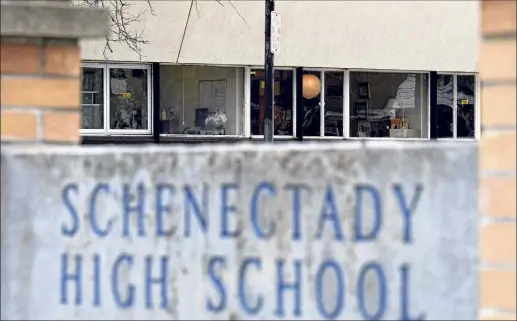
214	124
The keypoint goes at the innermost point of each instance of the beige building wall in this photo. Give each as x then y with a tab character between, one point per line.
408	35
498	161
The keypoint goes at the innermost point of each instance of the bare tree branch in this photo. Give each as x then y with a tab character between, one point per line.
185	29
121	22
237	11
194	2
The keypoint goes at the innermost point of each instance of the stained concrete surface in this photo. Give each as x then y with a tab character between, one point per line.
258	234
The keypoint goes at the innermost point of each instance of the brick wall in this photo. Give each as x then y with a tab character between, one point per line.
40	68
40	90
498	161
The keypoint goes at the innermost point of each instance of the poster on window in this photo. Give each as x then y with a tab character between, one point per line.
406	92
118	86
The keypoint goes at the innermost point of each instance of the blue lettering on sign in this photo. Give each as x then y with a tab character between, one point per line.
96	228
163	208
378	313
249	308
282	291
213	263
123	297
320	290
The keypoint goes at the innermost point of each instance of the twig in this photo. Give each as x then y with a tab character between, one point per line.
185	30
121	22
237	11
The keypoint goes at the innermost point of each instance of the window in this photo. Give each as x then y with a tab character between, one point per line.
456	114
313	102
323	103
201	100
283	102
364	104
92	107
323	99
116	99
391	105
445	104
129	107
465	102
333	103
456	106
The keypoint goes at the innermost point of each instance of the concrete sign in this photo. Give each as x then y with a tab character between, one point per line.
380	231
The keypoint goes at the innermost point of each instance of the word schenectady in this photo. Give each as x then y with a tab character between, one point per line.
191	210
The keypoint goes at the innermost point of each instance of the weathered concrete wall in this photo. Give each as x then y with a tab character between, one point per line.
343	231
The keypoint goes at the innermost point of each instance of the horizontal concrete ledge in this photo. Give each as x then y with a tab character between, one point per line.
59	150
56	20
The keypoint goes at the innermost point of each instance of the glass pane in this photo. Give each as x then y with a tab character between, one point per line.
333	103
445	105
311	103
388	105
87	98
128	99
201	100
92	117
98	98
92	109
466	101
283	101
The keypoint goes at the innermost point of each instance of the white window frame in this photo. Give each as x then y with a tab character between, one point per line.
248	103
346	101
106	131
105	97
477	113
346	104
427	105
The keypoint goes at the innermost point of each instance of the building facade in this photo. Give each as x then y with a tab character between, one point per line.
346	70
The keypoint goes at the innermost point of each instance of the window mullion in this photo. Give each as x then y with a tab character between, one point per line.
322	103
477	110
293	107
150	98
247	101
346	103
455	106
106	99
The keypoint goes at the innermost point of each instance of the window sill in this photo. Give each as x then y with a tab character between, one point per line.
193	139
179	138
92	139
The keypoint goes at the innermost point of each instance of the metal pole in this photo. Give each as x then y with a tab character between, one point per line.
267	125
